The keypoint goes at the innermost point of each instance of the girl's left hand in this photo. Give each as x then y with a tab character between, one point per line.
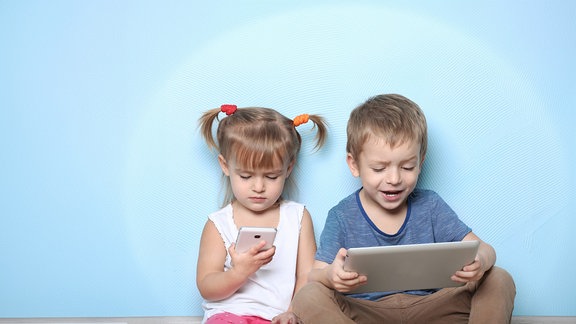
250	261
286	318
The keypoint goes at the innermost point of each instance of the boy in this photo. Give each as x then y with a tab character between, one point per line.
387	142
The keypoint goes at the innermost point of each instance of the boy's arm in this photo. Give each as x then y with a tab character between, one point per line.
485	259
334	276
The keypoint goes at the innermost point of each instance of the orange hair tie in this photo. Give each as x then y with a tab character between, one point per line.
228	109
301	119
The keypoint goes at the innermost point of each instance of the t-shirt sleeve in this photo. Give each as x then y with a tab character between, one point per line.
448	227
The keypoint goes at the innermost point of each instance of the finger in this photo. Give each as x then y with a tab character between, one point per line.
340	257
255	249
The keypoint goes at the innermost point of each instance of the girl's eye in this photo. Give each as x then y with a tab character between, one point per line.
245	177
408	168
378	170
272	177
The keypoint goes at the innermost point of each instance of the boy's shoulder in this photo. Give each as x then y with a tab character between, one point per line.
421	194
351	199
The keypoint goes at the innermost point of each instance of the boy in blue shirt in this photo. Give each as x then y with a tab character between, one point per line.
387	142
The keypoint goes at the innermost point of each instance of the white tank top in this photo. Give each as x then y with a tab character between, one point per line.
268	291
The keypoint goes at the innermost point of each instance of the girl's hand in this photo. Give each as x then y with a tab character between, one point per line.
286	318
340	279
250	261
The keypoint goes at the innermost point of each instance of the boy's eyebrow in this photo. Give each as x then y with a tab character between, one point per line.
415	157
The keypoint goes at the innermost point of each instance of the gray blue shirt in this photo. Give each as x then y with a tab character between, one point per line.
429	219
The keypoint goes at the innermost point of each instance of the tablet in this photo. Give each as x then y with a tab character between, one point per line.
410	267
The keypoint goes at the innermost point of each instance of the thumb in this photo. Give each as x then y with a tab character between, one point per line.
340	257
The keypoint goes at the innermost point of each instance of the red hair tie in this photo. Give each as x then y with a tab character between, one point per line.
300	119
228	109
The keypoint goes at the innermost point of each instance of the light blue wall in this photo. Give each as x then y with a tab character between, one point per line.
105	185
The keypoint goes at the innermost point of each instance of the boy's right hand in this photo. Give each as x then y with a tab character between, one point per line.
250	261
340	279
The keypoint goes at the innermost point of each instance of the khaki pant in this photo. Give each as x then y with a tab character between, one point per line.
490	300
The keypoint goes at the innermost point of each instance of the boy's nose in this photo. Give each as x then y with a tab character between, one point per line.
393	177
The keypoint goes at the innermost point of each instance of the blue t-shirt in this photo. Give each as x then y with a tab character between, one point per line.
429	219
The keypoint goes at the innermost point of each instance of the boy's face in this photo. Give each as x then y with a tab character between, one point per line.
388	174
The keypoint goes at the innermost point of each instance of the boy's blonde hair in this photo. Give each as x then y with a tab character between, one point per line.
390	117
257	138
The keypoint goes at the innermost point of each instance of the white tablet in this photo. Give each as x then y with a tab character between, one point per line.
410	267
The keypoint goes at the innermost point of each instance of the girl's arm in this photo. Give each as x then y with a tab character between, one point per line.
306	251
213	282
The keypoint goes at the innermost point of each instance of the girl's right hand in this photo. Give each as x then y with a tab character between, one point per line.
250	261
340	279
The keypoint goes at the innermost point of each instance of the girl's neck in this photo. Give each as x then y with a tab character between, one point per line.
246	217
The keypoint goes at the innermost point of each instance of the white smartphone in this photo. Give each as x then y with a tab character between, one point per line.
248	236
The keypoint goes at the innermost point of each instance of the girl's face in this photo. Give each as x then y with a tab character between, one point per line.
388	174
256	190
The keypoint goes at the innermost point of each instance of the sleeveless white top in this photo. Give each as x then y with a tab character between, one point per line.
269	290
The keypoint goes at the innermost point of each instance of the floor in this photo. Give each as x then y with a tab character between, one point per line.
197	320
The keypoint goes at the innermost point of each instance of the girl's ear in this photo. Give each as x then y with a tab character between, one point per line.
290	168
223	165
352	165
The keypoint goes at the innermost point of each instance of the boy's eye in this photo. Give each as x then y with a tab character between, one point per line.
408	168
245	177
378	170
272	177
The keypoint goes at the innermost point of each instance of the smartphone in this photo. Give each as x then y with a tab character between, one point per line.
248	236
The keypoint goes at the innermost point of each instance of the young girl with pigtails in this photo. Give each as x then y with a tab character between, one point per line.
258	149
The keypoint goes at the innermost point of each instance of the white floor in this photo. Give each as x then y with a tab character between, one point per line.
197	320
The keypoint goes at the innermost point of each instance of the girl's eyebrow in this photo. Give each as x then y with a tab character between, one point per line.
275	171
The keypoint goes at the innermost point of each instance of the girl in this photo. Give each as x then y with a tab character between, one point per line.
258	149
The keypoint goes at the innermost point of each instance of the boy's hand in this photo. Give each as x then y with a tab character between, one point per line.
340	279
250	261
471	272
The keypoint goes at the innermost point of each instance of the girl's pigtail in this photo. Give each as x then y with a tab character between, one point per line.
207	120
319	123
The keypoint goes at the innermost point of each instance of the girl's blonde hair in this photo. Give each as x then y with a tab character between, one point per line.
258	138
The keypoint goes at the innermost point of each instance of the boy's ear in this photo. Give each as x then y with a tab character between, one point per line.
422	162
223	165
352	165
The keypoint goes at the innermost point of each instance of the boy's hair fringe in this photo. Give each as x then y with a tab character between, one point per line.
392	117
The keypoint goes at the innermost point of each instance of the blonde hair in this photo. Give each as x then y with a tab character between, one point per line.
256	138
391	117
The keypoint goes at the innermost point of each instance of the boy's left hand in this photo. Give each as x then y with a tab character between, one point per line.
471	272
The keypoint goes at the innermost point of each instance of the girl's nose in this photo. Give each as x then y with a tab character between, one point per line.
258	185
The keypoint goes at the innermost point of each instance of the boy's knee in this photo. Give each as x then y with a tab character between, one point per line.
310	294
498	277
